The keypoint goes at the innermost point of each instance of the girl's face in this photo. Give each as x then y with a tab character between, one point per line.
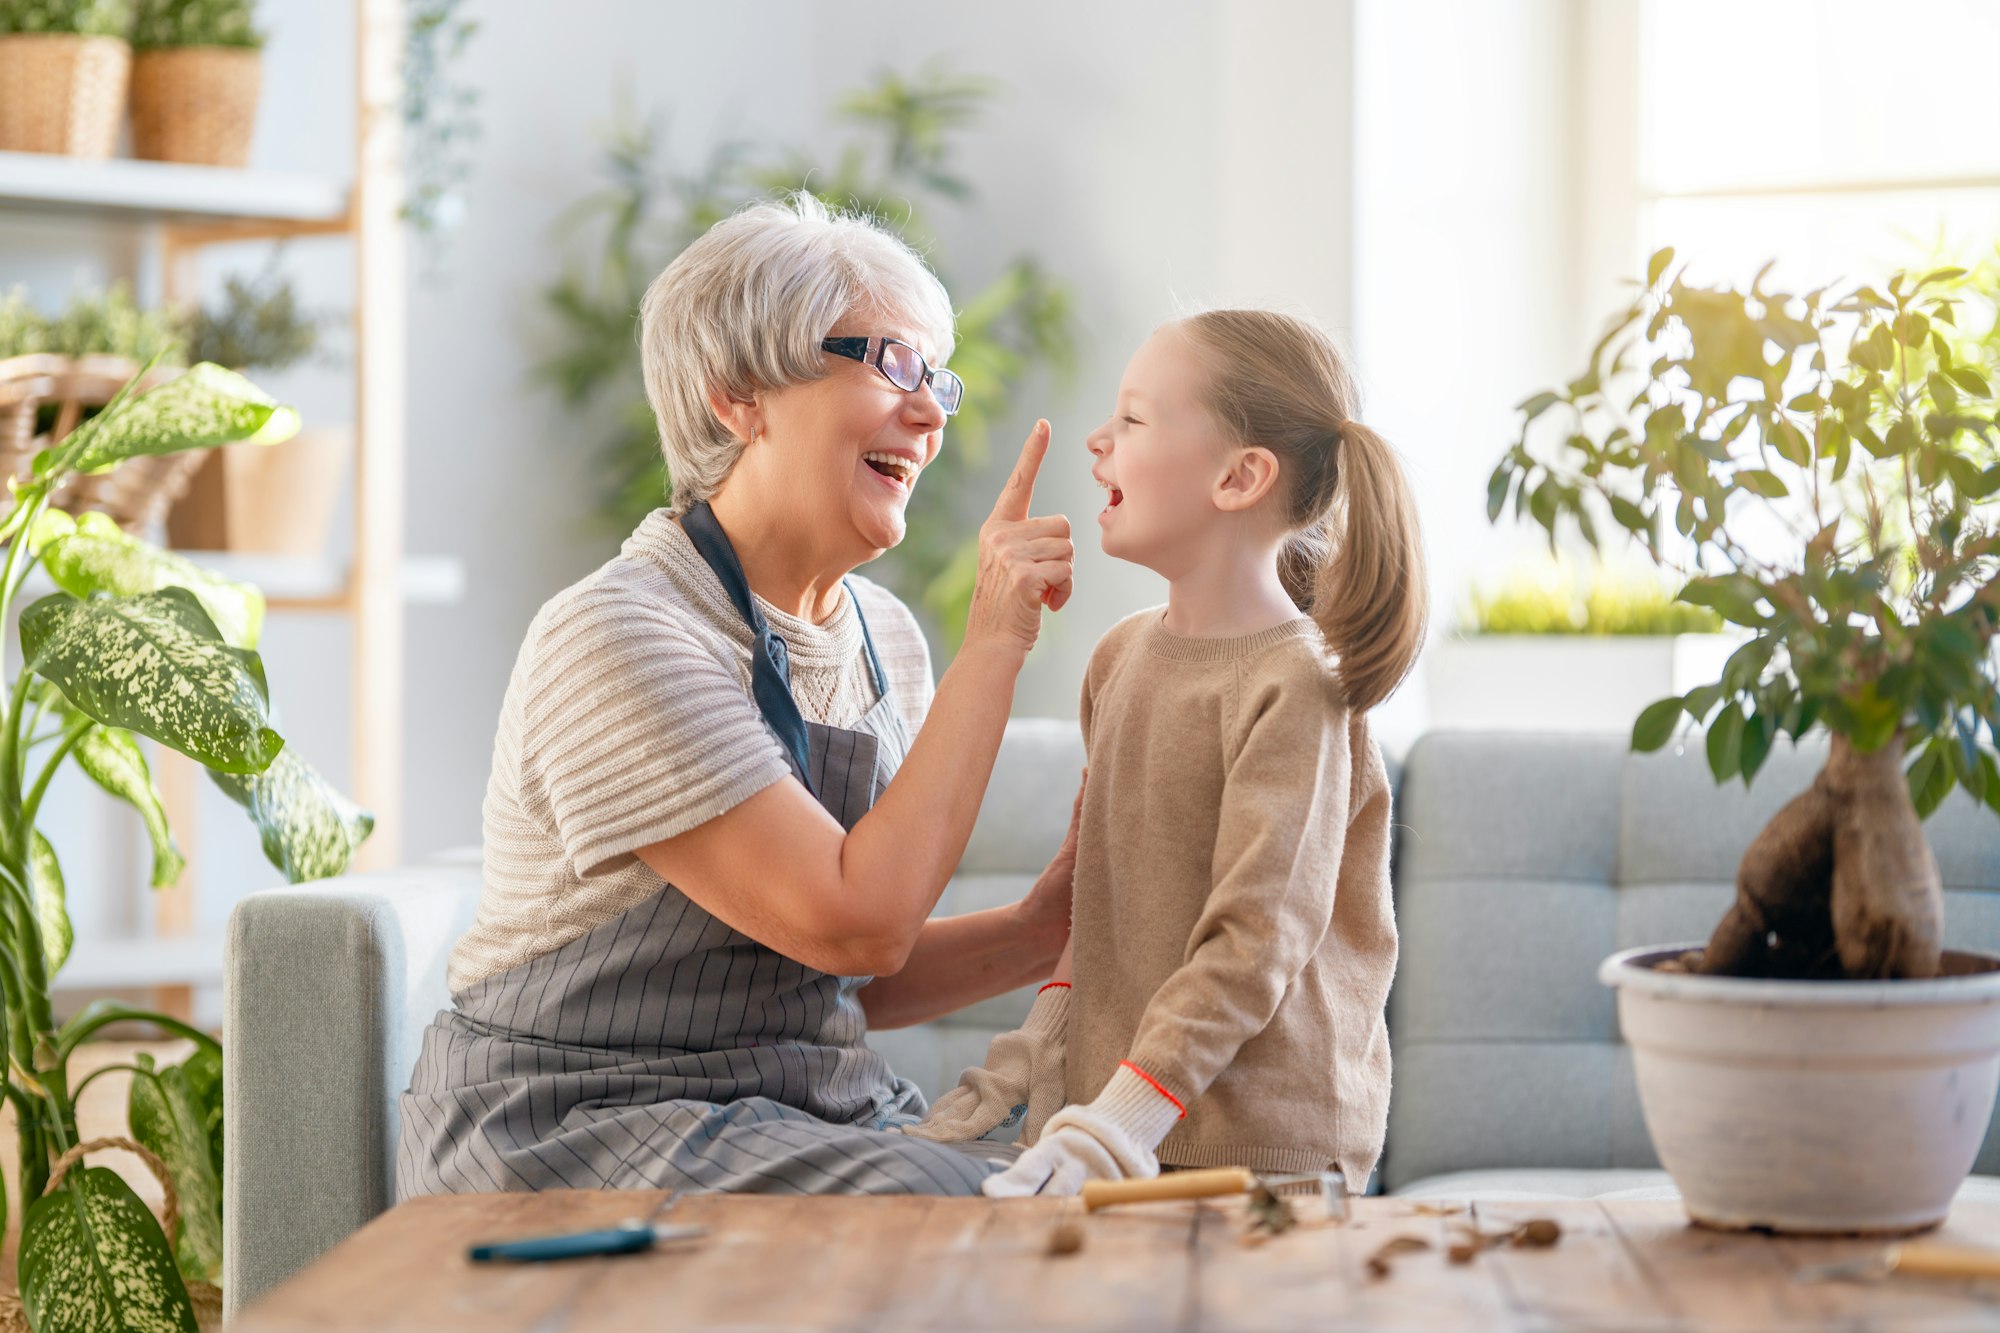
850	446
1160	457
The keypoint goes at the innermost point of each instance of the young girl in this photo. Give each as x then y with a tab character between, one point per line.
1232	941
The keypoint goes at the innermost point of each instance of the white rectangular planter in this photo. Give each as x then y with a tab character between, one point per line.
1564	682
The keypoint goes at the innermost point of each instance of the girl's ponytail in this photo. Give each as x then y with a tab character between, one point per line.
1370	597
1355	560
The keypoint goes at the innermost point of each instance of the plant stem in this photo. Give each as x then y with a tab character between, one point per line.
32	804
77	1094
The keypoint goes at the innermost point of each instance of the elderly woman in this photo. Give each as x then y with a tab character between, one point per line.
724	800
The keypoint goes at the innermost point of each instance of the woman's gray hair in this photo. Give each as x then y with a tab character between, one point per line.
744	308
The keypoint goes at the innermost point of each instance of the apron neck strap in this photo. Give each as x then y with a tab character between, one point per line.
770	664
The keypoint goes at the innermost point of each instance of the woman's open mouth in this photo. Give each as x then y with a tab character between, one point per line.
895	470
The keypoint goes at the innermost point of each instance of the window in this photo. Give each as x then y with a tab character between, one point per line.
1841	138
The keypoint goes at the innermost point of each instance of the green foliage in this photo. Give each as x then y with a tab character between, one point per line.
900	162
440	114
1555	601
88	18
93	322
257	325
137	642
162	23
1850	423
93	1259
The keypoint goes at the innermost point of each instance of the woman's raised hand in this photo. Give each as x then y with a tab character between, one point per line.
1024	563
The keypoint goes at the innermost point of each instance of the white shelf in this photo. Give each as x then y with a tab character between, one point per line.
146	191
172	960
428	580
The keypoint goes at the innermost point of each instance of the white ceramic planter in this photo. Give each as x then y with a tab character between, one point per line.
1813	1107
1563	682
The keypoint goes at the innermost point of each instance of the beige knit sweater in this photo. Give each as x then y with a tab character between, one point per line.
1233	934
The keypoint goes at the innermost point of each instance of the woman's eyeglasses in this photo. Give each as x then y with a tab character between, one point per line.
903	366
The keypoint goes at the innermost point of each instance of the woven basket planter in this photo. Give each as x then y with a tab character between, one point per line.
137	492
62	93
195	104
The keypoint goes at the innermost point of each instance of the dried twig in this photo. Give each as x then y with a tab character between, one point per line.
1378	1262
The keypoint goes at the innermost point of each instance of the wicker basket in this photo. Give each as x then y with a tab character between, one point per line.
62	93
137	492
195	104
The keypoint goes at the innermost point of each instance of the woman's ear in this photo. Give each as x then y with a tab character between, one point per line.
740	417
1251	474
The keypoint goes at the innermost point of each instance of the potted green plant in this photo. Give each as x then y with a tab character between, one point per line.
197	68
268	501
58	370
1821	468
1550	647
136	642
64	65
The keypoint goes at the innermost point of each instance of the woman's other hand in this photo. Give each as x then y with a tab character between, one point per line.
1025	563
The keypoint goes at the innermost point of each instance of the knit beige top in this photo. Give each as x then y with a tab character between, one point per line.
629	719
1232	933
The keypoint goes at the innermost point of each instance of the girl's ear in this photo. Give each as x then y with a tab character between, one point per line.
740	417
1249	477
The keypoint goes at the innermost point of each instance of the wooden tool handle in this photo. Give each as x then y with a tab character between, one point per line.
1944	1260
1170	1185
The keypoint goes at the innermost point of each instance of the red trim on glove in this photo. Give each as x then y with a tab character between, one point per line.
1064	984
1156	1086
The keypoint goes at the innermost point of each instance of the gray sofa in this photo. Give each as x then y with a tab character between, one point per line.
1522	861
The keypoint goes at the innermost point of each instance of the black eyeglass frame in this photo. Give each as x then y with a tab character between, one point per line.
869	351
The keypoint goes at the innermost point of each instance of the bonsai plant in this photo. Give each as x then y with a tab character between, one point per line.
1019	323
1827	462
136	642
64	64
197	67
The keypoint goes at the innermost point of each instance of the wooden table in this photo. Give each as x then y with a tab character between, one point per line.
897	1263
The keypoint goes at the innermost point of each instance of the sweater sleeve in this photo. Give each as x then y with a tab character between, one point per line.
634	733
1277	859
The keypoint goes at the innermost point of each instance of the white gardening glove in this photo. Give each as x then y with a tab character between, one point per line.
1113	1138
1020	1083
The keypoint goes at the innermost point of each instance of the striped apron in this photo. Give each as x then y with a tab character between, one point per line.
665	1049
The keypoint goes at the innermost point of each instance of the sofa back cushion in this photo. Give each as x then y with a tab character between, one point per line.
1522	862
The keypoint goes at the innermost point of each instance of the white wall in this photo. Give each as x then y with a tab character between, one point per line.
1469	273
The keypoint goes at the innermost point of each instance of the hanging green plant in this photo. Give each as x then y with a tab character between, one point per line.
902	162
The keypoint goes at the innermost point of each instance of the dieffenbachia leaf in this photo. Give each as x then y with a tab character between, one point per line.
309	830
156	664
203	407
51	903
177	1112
114	761
101	557
93	1260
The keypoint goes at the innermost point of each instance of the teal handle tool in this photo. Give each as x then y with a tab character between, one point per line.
625	1238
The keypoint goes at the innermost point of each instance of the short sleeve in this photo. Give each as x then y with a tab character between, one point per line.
633	731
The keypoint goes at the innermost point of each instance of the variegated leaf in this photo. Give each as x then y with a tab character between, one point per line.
177	1112
156	664
101	557
51	903
112	758
49	525
203	407
309	830
93	1260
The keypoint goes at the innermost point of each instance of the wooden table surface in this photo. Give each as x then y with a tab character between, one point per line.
895	1263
